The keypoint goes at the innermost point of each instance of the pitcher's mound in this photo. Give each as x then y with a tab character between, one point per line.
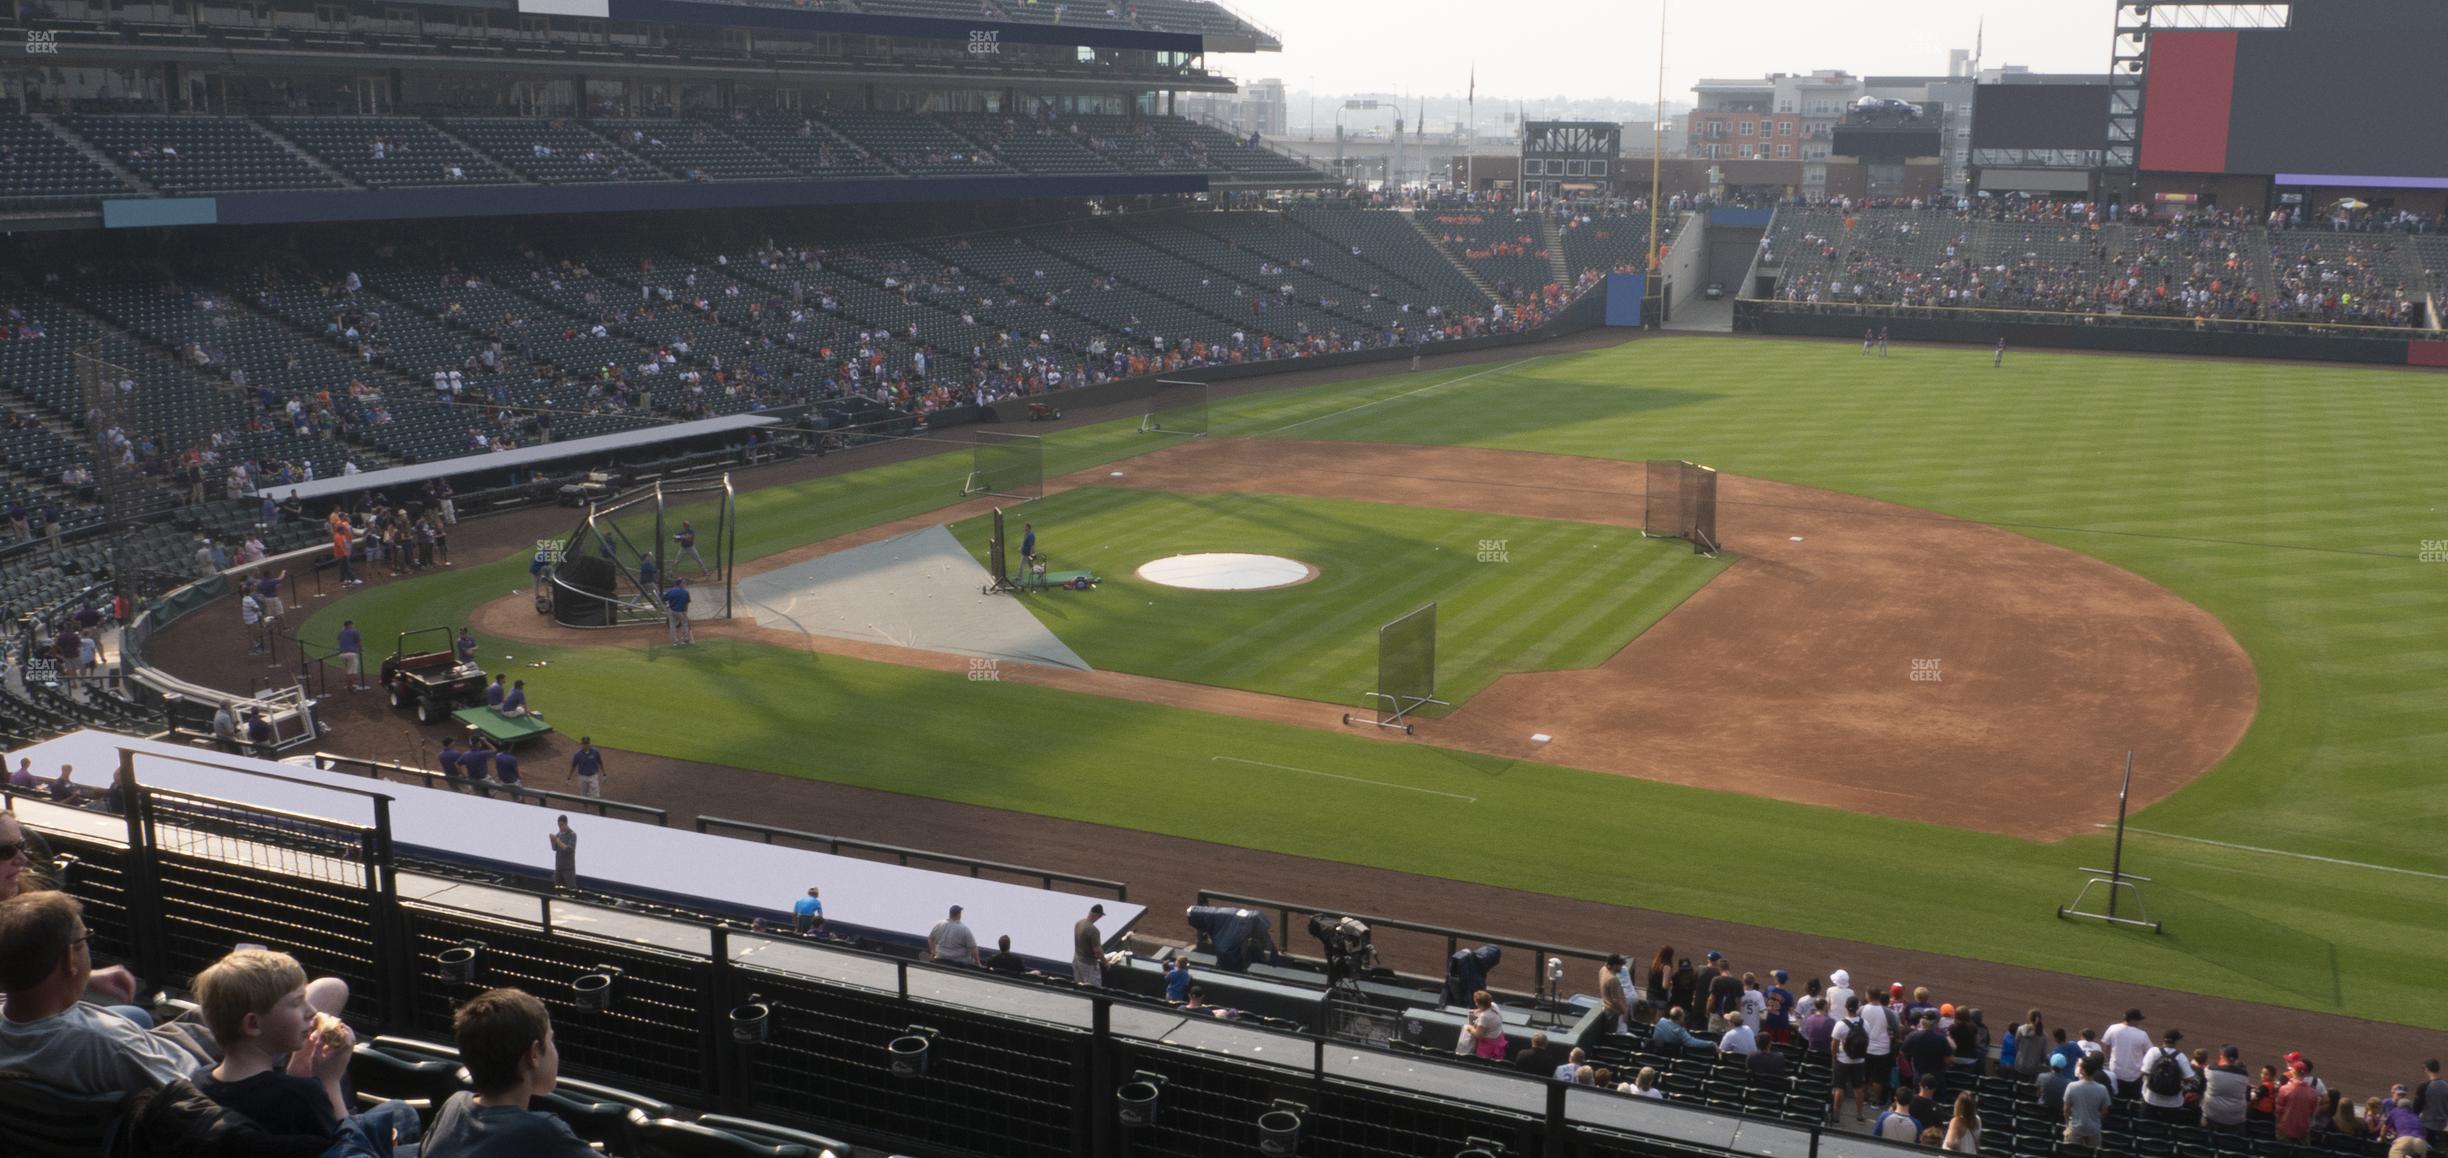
1228	571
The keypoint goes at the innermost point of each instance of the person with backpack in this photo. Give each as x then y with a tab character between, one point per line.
2165	1071
1849	1042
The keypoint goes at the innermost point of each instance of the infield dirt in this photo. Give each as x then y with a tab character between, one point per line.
1858	655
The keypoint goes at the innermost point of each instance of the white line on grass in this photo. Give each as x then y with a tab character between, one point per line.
2383	868
1340	776
1404	394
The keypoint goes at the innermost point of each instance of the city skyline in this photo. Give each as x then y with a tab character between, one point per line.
1592	49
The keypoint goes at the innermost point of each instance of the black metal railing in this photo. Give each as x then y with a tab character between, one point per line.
1012	1066
916	857
1535	959
543	797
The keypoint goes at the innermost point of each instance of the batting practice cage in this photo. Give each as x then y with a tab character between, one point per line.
998	557
1681	504
1176	408
1406	670
613	567
1010	466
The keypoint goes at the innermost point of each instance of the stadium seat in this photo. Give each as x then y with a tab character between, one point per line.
672	1138
580	1091
612	1125
422	1080
46	1122
766	1131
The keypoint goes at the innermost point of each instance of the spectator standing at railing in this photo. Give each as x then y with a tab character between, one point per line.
250	613
2086	1105
950	942
1088	948
2226	1092
564	841
342	543
2431	1102
2125	1044
2296	1104
225	727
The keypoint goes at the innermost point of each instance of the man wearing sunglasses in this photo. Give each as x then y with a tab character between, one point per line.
46	1031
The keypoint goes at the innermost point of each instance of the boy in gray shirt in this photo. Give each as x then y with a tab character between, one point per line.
2086	1105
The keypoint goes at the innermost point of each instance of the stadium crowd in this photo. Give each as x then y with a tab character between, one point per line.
2076	257
1909	1063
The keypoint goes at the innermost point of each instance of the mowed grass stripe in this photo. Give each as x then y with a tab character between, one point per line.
1377	562
1654	587
1560	606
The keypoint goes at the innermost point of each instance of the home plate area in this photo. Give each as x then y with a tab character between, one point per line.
918	590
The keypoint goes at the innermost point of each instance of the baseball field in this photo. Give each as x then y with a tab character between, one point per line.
2239	550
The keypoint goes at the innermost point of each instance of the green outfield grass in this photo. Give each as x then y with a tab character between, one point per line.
1512	594
2291	501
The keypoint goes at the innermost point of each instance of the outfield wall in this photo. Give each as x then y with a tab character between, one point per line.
2174	338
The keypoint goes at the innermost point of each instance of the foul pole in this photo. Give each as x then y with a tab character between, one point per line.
1657	114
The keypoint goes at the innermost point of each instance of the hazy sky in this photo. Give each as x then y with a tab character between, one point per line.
1596	48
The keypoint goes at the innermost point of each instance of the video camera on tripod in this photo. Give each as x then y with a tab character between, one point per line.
1349	953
